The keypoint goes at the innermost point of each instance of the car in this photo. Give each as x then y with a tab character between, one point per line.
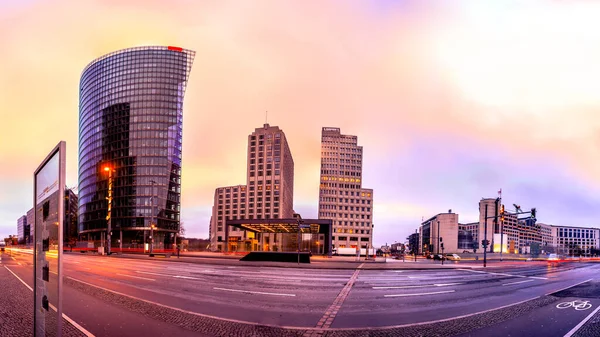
439	257
452	257
429	256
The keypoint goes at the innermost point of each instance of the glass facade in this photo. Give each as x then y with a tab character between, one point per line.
130	121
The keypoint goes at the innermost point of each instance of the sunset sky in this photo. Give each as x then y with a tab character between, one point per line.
451	100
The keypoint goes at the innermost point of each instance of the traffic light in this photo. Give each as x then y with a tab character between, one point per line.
440	239
442	245
533	211
502	213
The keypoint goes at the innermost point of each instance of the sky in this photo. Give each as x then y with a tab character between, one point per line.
451	101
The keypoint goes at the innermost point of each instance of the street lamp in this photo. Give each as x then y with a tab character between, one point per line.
109	170
299	220
152	225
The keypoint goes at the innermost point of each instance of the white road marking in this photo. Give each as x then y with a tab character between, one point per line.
421	286
578	326
187	277
396	271
79	327
150	273
421	294
518	282
473	271
19	263
254	292
571	286
538	278
12	257
142	278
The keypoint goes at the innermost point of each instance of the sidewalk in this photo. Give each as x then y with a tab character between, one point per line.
16	309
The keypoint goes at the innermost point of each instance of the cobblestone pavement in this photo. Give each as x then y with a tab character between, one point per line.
16	309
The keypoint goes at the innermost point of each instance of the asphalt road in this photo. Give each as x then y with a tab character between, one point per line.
322	297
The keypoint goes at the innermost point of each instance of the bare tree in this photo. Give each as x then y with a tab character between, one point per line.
181	229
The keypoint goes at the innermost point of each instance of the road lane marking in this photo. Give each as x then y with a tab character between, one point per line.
578	326
67	318
565	288
518	282
421	286
538	278
253	292
332	310
400	287
18	278
473	271
150	273
187	277
12	257
140	277
421	294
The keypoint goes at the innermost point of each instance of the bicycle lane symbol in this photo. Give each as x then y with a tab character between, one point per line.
576	304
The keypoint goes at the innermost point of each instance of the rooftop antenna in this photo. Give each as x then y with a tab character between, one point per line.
266	114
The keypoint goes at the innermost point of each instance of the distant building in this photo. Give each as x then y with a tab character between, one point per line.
69	218
576	241
22	229
342	198
30	222
413	243
546	231
268	194
443	225
70	234
490	205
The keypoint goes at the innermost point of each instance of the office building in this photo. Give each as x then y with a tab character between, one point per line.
444	226
22	229
70	234
576	241
130	119
546	231
488	224
30	221
342	198
268	194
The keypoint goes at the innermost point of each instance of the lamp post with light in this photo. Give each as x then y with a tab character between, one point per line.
108	213
152	225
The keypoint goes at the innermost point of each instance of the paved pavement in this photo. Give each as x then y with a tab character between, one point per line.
194	296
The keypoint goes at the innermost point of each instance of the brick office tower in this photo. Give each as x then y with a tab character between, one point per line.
268	194
341	195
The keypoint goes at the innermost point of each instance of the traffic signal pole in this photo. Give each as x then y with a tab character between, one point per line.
485	237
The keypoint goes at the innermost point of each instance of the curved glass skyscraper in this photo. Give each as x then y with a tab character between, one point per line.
130	128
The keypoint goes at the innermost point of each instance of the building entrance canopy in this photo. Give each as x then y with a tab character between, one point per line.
291	226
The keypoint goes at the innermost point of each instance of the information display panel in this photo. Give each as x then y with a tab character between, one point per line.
49	193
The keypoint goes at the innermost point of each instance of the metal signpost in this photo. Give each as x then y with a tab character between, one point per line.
48	203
